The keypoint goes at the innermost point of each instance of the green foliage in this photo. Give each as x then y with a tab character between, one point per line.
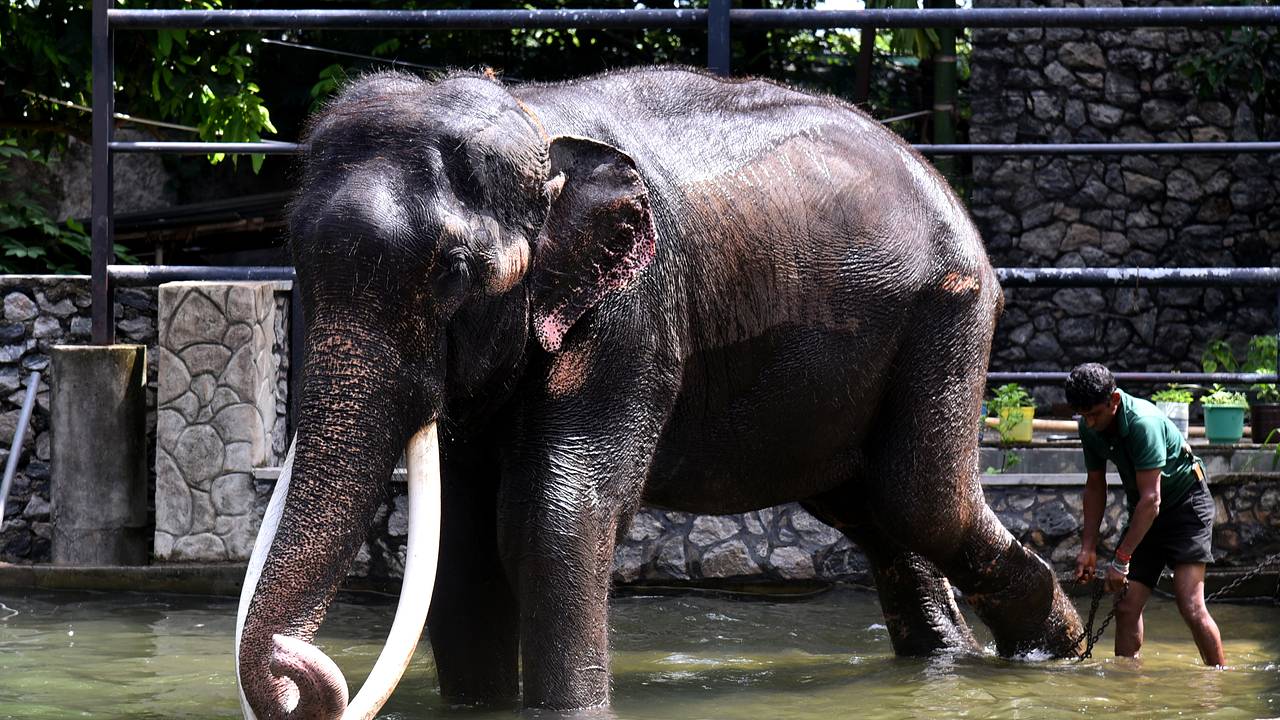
1010	397
1222	397
1173	394
1260	357
1218	355
30	240
1246	64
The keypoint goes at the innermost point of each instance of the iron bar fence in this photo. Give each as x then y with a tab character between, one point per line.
719	19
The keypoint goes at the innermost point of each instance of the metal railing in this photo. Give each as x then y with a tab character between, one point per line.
719	19
19	434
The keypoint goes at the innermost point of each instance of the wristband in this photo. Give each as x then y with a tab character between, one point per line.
1122	568
1123	557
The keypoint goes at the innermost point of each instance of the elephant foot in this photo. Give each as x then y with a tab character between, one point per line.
1029	614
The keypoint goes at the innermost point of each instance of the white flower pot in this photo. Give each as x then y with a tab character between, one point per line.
1178	413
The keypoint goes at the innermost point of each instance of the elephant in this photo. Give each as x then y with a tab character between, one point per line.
647	286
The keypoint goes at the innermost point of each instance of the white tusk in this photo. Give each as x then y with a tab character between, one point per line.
261	548
421	554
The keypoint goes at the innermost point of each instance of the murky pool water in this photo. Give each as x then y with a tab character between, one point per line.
65	655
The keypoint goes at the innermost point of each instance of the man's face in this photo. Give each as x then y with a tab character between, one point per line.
1099	417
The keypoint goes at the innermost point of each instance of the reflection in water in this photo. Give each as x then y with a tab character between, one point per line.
124	655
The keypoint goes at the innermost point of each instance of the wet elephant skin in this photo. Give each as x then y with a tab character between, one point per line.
648	286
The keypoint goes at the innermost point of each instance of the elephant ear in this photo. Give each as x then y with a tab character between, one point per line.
598	235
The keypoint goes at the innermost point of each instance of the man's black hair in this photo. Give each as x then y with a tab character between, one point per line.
1088	385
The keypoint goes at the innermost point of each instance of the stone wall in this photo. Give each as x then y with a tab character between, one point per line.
1070	85
40	312
218	416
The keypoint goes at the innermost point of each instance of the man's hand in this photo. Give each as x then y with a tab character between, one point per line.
1086	565
1116	580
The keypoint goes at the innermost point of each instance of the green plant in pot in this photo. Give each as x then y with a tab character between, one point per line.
1175	402
1224	415
1015	409
1260	357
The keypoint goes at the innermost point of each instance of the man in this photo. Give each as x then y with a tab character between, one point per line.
1170	509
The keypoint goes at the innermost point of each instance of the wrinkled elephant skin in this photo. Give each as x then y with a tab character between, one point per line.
649	286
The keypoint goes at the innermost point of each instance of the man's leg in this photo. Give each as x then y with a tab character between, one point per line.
1129	619
1188	588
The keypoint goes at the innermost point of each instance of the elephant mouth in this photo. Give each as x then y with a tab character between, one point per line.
303	681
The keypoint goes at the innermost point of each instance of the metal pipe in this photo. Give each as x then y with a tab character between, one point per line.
394	19
1060	376
151	275
1101	17
19	433
1205	148
1091	17
1138	277
103	240
1188	148
719	49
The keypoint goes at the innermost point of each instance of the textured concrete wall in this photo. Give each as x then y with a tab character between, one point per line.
217	416
39	312
1070	85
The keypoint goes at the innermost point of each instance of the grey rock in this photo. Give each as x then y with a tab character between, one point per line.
233	494
671	561
81	327
1059	75
1080	235
1162	114
1076	331
1044	346
211	358
37	509
813	531
1182	185
46	327
11	333
628	562
1044	242
792	563
35	363
1080	301
195	318
398	522
10	379
199	451
19	308
644	527
732	559
139	328
709	529
203	516
1105	116
204	547
1082	56
1054	520
238	533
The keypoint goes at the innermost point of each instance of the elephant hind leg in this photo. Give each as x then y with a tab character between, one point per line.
918	605
927	496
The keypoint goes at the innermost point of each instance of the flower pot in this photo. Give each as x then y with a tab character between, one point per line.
1017	422
1178	412
1265	419
1223	424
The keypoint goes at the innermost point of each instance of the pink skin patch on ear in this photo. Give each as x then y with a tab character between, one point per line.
959	283
569	371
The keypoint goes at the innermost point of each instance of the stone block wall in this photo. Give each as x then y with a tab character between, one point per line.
1071	85
41	311
218	416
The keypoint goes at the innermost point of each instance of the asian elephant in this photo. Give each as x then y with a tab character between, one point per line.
650	286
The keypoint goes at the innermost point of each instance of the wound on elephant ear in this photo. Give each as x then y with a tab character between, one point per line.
598	236
960	283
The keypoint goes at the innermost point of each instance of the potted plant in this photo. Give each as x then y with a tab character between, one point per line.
1015	409
1224	415
1175	402
1260	357
1264	411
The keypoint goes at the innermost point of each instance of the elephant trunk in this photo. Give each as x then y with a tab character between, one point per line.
291	580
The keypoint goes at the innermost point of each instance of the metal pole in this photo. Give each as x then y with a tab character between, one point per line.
718	48
11	467
103	313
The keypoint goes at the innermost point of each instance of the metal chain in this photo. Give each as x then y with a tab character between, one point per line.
1089	634
1267	561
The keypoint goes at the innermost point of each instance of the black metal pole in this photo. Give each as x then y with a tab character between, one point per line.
103	312
718	47
1050	378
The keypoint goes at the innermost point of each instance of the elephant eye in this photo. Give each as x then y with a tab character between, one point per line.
455	273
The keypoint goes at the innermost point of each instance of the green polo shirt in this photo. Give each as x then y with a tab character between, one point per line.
1146	440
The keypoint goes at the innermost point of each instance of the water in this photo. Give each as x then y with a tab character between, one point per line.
66	655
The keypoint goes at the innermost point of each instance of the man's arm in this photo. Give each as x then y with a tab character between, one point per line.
1095	500
1139	523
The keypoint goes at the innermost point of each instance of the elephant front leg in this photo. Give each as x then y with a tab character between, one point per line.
565	558
473	624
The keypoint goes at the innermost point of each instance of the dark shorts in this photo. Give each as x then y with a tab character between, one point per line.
1182	533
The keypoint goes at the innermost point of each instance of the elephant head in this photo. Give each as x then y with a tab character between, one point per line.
439	236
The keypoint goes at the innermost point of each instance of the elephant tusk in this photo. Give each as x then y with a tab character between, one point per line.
421	555
261	548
